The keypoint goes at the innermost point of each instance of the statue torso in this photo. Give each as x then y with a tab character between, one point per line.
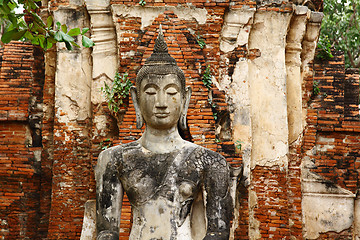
162	187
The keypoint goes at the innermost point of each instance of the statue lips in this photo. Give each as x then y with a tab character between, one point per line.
162	114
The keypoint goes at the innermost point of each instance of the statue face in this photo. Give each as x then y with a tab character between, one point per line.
160	100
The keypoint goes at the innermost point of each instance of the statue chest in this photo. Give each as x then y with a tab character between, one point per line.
150	176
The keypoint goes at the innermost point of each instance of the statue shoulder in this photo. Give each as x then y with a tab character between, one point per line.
112	156
115	152
210	158
108	154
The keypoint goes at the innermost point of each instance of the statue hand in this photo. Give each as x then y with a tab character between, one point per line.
217	236
107	235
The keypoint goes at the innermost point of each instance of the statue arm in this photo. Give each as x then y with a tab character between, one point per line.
109	196
219	208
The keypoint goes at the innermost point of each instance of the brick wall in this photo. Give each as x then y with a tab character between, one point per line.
333	126
333	122
193	60
47	154
21	82
27	202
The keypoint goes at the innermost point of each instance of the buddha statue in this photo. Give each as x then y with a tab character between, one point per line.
178	190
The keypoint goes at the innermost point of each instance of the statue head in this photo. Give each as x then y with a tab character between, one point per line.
161	98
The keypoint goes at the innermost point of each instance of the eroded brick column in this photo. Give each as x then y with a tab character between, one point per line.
268	200
105	62
72	164
294	39
21	75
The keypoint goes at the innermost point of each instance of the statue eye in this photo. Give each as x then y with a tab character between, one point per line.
150	91
171	91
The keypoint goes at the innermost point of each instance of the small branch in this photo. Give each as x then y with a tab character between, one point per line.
353	64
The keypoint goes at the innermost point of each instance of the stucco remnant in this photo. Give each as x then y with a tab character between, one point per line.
148	14
236	28
267	89
88	231
326	208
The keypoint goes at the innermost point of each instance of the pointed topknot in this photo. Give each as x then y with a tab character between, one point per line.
160	44
160	53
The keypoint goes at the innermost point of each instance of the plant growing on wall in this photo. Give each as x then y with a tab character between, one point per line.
206	79
200	41
117	92
142	2
36	30
105	144
238	144
316	89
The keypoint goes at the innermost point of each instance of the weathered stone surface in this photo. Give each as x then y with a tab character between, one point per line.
326	208
267	90
88	231
293	78
245	46
236	28
161	173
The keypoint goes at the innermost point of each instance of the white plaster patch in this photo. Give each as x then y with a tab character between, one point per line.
186	13
325	139
72	86
254	224
37	155
97	96
325	213
324	148
100	124
267	89
236	29
88	231
148	14
357	219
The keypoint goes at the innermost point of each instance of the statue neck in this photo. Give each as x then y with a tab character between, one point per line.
161	140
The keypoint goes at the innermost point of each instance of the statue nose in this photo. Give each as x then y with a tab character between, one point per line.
161	101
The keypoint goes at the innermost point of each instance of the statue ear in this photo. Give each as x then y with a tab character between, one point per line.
139	118
182	121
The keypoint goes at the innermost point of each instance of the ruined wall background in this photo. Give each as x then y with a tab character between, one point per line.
21	87
330	150
296	148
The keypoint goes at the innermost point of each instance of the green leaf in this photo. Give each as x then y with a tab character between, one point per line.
42	42
8	36
87	42
58	25
1	2
13	20
37	19
18	35
68	46
84	30
32	4
49	21
74	32
35	40
66	37
51	39
63	37
75	44
12	5
28	35
64	28
48	44
58	37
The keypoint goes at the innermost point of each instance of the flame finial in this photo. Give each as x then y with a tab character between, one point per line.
160	53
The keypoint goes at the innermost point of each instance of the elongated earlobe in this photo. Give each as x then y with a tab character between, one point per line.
182	120
139	118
